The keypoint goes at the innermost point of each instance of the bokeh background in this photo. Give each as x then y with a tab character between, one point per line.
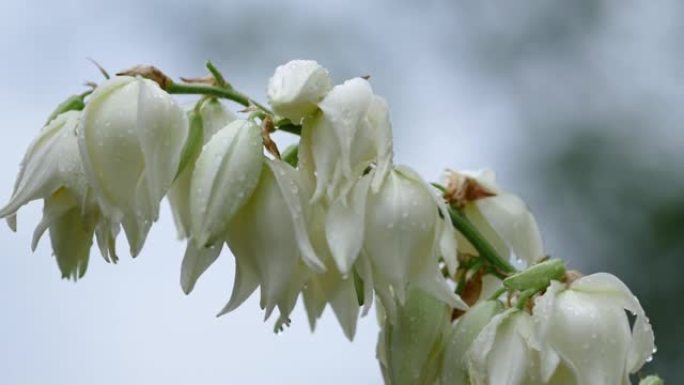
577	105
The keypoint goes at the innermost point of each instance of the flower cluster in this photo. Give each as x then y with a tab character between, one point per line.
333	220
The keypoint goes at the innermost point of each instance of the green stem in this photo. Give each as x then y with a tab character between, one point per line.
226	93
478	241
524	297
230	94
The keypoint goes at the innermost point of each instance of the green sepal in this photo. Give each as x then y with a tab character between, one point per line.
72	103
291	155
652	380
536	277
193	145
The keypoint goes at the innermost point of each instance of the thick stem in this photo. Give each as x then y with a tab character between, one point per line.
479	242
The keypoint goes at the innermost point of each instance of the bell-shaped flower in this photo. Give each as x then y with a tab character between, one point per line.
52	170
205	121
131	137
584	327
503	218
223	178
270	240
296	88
351	132
505	351
461	336
410	347
401	233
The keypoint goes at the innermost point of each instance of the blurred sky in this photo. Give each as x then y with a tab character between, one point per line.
470	84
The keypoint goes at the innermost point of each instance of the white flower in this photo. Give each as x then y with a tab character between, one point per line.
270	240
131	138
463	333
585	328
398	233
351	132
212	117
296	87
52	170
505	220
225	175
505	352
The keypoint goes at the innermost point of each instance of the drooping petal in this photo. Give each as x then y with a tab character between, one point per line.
502	354
162	128
445	233
344	107
460	338
263	238
246	281
642	345
196	261
320	155
71	234
51	161
400	222
294	195
344	226
512	220
379	120
130	140
225	175
590	333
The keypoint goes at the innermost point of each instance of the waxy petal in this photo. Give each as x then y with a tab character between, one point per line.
195	262
344	107
51	161
512	220
344	226
226	173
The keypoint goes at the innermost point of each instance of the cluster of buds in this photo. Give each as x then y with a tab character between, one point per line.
339	223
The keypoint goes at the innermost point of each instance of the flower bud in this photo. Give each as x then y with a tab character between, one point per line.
413	344
225	174
211	118
296	87
460	338
131	138
585	327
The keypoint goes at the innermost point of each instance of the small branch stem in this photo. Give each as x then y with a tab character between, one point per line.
230	94
483	247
